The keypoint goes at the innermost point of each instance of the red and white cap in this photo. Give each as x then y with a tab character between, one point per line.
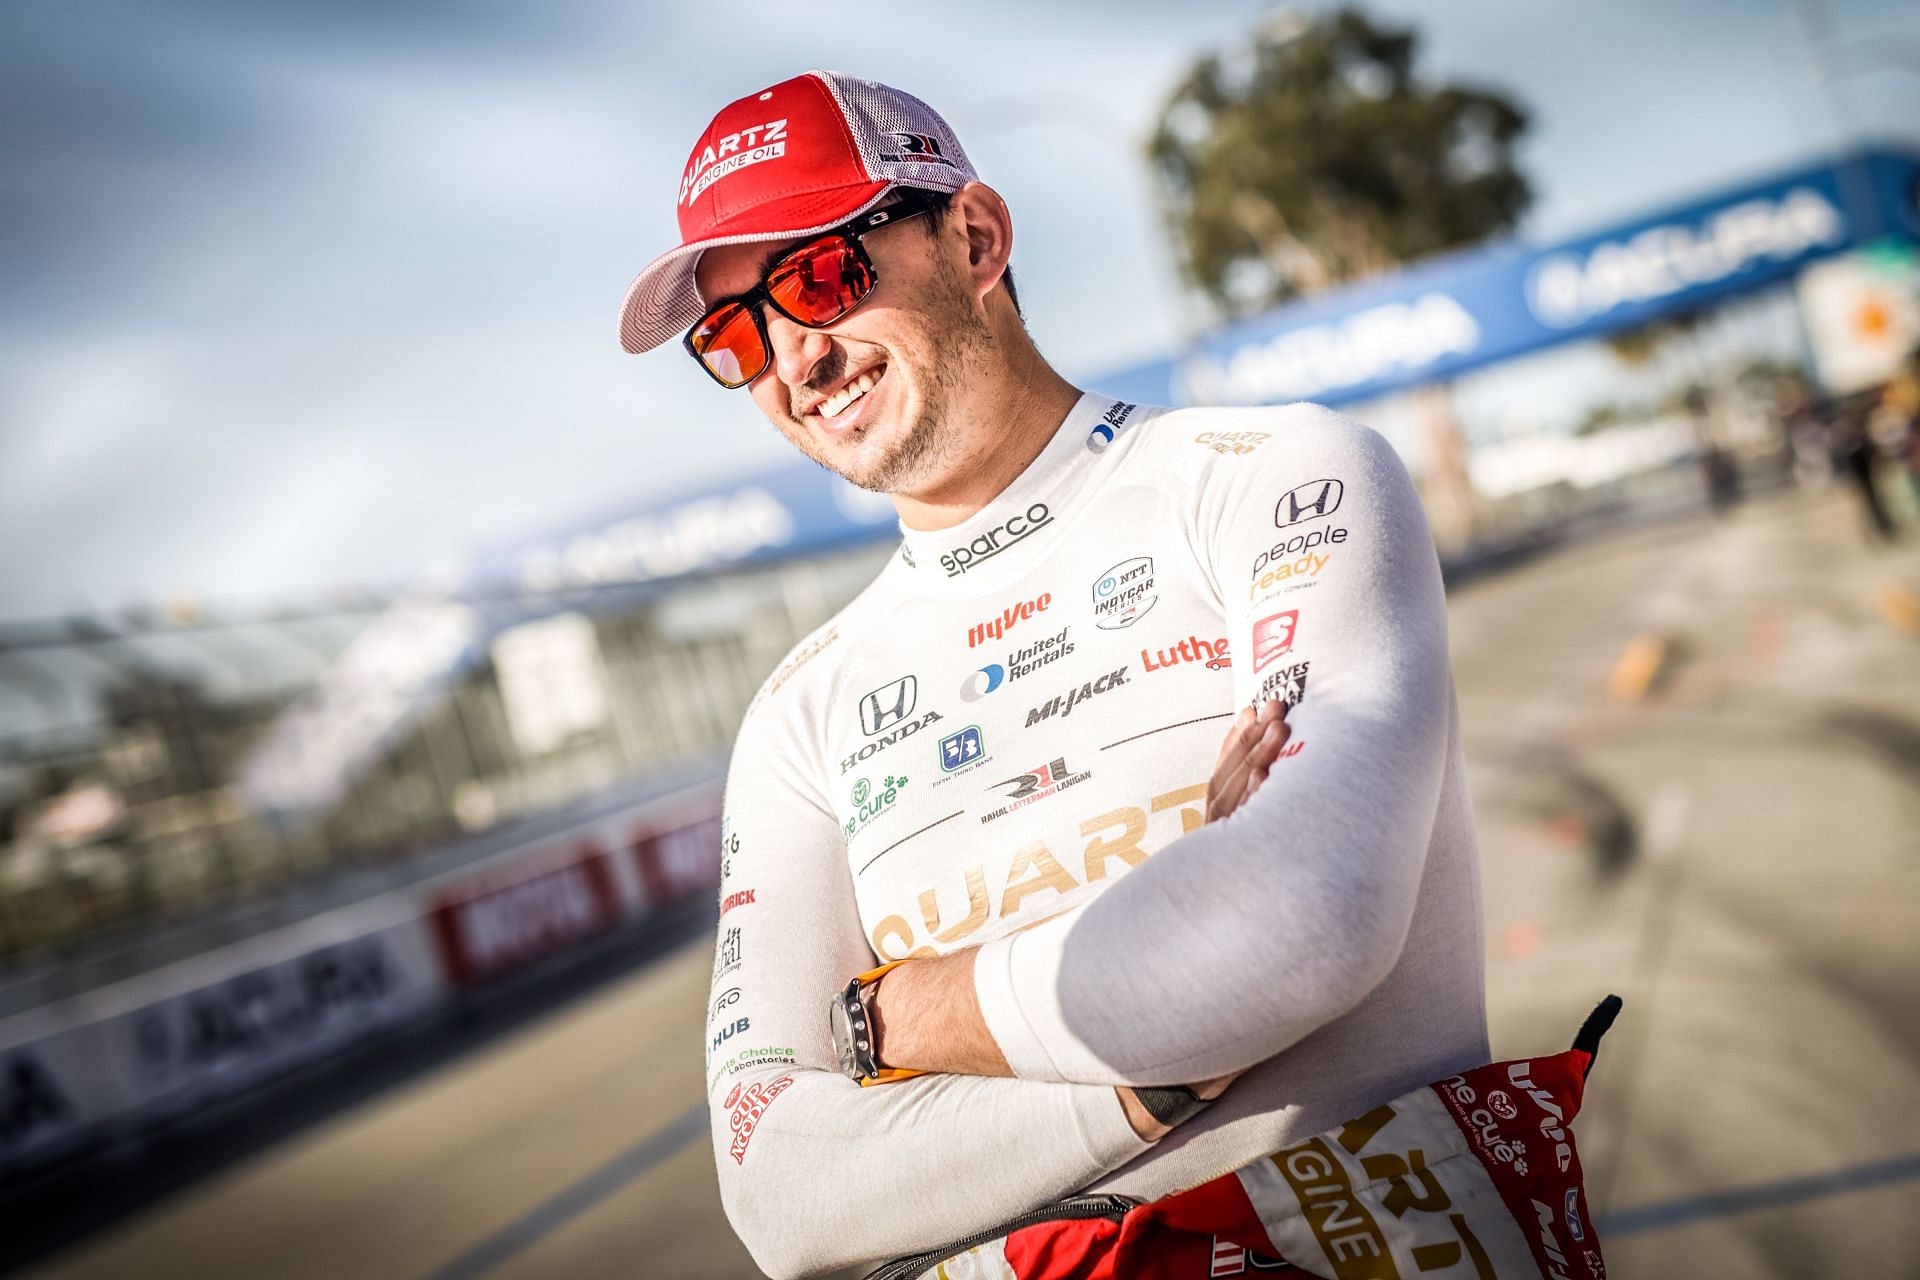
794	160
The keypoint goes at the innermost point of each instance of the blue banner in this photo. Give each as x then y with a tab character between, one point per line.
1448	315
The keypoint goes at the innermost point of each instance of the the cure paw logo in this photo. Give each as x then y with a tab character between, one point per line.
915	148
961	749
1035	786
1123	594
730	155
1308	502
885	711
745	1107
1108	429
1016	530
982	682
1273	636
869	804
1065	703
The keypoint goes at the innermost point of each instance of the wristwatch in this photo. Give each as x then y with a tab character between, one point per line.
850	1019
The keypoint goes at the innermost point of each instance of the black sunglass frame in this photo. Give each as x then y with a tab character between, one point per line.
850	232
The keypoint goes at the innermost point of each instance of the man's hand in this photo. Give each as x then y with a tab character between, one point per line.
1251	747
925	1015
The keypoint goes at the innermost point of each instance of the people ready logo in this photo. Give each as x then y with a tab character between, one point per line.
1123	594
730	155
884	716
870	803
1108	429
1000	538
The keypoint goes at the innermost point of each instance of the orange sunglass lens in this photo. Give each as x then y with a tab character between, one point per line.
728	342
820	283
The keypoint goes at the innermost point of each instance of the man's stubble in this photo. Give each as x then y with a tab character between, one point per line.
946	348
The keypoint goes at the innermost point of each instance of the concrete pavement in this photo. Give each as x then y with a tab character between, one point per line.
1737	854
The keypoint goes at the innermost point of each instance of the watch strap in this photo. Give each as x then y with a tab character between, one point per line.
855	994
1169	1104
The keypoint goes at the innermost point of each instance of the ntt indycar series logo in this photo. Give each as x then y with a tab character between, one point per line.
1123	594
1016	530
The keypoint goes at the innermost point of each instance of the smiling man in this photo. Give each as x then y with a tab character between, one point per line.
972	854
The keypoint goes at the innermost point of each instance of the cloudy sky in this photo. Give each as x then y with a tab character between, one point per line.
301	295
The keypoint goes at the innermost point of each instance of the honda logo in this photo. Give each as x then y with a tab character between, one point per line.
1308	502
888	705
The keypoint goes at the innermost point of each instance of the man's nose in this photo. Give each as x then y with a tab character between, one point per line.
796	348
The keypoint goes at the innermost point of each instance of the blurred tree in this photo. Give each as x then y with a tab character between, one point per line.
1312	157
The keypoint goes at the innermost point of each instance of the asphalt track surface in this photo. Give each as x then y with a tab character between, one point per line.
1737	854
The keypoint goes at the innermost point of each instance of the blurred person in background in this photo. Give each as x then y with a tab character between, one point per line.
994	771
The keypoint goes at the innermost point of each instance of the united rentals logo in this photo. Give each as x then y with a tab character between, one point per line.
1065	703
1108	429
1309	501
982	682
733	153
1123	594
1035	786
1273	636
1001	537
916	148
1010	617
884	716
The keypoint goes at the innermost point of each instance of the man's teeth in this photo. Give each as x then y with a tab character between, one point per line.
833	404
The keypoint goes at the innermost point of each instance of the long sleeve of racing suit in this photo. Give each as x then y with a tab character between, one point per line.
1242	937
815	1172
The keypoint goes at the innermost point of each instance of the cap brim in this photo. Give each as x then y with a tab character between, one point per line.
663	301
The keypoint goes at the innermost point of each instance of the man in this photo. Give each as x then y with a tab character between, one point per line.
993	765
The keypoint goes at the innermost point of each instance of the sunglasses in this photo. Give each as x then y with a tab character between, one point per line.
814	286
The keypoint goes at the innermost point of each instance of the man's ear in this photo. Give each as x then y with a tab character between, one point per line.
979	212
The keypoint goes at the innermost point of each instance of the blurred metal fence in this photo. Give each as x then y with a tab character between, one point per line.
122	745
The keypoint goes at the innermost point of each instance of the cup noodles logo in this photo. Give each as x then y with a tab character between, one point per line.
746	1107
1273	636
730	155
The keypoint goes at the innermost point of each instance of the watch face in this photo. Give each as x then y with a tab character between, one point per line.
842	1037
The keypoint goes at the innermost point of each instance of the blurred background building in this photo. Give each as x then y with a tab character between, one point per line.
244	830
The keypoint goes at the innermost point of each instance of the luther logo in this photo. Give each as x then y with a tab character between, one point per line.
888	705
1308	502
